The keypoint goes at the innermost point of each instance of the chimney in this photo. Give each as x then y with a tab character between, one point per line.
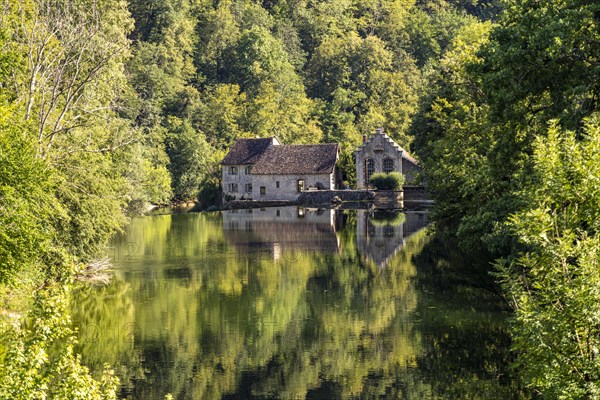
364	139
379	130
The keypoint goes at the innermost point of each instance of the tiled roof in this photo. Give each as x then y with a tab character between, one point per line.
297	159
247	151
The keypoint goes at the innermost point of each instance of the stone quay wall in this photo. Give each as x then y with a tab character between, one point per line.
325	196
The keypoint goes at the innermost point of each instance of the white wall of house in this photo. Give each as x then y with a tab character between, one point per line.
236	179
285	187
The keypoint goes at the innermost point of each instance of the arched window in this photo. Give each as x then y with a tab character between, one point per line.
388	165
369	169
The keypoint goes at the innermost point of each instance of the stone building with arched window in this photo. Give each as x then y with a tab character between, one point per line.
379	153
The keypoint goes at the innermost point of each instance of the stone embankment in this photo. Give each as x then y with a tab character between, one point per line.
321	197
411	196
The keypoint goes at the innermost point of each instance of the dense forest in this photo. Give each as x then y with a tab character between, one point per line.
107	106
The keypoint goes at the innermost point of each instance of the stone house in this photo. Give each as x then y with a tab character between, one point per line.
264	169
380	153
283	172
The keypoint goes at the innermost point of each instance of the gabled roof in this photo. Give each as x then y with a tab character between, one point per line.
405	154
297	159
247	151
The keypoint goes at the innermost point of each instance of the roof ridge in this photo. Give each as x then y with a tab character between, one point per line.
309	144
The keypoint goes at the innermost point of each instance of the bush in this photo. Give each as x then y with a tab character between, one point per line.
391	181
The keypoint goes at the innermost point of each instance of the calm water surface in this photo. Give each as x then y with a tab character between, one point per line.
293	303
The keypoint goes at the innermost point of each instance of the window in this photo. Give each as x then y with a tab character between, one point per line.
300	185
248	169
248	188
278	213
369	169
233	187
277	184
263	190
233	170
388	165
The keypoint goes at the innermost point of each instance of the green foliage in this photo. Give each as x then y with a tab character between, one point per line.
190	155
431	28
477	126
507	184
28	207
454	138
40	362
383	181
209	196
222	113
553	284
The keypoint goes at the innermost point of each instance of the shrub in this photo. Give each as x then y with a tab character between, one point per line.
391	181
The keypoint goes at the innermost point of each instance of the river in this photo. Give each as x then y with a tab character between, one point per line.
293	303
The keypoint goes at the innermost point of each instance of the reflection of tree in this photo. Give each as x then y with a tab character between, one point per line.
463	357
105	318
358	336
211	321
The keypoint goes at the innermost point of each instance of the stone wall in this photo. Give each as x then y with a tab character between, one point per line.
241	178
415	193
249	204
285	187
389	199
378	148
325	196
410	171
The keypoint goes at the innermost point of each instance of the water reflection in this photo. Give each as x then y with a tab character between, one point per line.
286	303
282	229
382	234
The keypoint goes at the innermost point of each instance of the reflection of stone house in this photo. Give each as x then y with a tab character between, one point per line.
264	169
379	241
280	229
379	153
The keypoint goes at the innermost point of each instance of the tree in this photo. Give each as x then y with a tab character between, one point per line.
190	154
553	283
40	361
69	49
28	205
453	137
362	71
431	26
